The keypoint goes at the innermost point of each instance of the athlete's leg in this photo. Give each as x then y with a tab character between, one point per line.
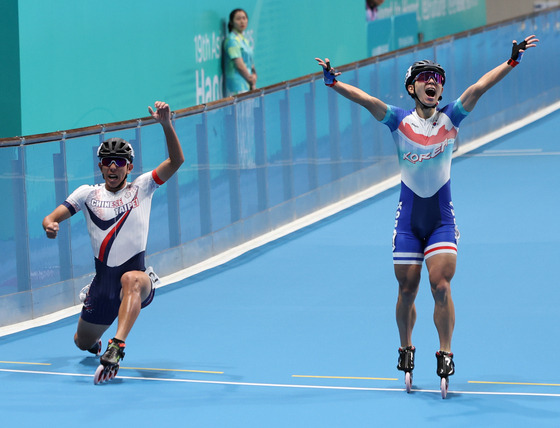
408	277
441	268
136	287
88	334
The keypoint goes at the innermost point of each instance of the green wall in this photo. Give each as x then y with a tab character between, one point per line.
83	63
70	64
438	18
10	106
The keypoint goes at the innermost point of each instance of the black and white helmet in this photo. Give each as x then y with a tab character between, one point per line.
116	147
420	66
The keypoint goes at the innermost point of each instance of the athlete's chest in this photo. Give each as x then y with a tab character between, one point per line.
434	131
106	205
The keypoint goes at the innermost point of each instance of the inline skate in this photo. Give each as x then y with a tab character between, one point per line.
445	368
406	364
110	362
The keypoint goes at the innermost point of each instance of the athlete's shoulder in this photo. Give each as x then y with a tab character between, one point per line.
86	189
395	115
455	111
145	176
147	180
80	196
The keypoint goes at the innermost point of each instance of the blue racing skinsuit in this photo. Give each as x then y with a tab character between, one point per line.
425	220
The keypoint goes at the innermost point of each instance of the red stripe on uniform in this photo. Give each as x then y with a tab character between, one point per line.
156	178
109	236
440	248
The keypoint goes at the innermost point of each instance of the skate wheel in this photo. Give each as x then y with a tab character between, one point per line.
99	375
113	373
444	385
99	345
408	381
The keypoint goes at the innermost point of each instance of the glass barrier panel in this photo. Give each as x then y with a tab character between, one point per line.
277	148
151	151
349	144
302	149
222	148
187	129
40	188
249	143
82	167
11	179
324	97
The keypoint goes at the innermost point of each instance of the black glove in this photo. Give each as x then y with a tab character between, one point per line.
516	54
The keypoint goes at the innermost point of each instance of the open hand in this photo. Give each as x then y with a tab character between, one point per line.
517	50
326	64
162	113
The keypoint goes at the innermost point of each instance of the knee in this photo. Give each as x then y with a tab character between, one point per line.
408	292
441	290
130	283
408	277
81	344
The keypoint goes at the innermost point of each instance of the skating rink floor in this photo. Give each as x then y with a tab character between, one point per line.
301	332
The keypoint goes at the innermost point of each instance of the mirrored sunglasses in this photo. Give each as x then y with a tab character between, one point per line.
119	162
425	76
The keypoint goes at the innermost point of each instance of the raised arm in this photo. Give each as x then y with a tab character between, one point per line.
470	97
374	105
176	158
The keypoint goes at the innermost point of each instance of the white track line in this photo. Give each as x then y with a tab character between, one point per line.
280	385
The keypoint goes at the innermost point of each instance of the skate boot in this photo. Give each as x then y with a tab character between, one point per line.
153	277
406	364
110	362
96	349
84	292
445	368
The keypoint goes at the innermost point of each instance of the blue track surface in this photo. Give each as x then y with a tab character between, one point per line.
301	332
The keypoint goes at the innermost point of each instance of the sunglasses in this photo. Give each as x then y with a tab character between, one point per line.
425	76
119	162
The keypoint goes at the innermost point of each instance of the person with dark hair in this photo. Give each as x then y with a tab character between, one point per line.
117	215
239	68
425	228
371	9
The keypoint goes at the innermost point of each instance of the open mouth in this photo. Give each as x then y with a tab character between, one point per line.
431	92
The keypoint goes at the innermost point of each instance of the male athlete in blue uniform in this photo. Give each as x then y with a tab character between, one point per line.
117	215
425	227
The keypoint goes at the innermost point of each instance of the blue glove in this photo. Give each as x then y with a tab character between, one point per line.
328	75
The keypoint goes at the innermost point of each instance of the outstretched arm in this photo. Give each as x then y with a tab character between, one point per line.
176	158
470	97
375	106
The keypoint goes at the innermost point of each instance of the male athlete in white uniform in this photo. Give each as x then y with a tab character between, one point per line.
118	224
425	222
117	215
